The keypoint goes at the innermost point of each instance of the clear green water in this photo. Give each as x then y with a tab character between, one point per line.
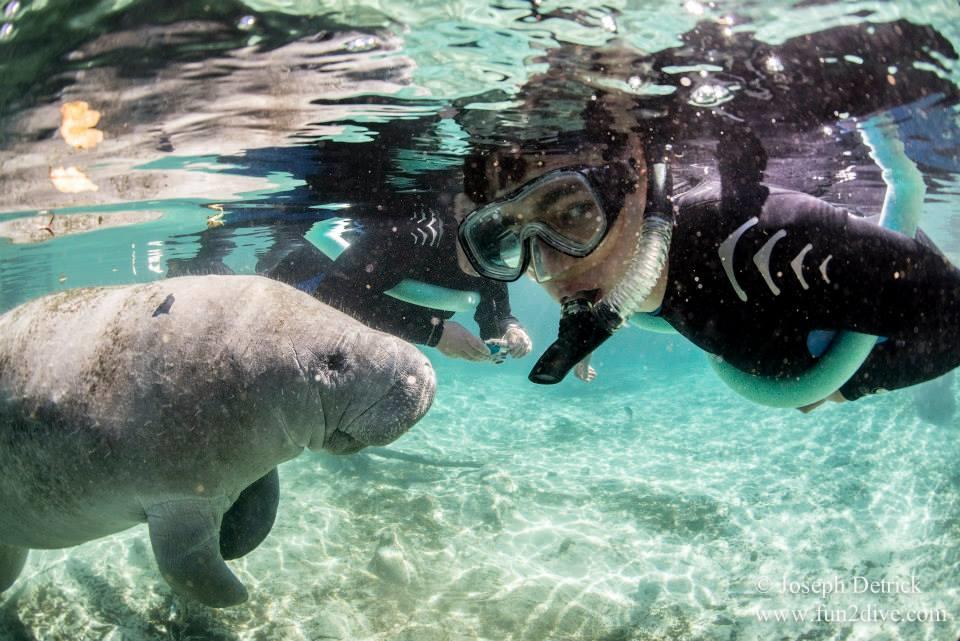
652	504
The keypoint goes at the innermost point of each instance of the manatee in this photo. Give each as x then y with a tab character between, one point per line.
172	403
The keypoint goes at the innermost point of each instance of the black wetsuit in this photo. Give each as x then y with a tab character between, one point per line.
761	278
382	252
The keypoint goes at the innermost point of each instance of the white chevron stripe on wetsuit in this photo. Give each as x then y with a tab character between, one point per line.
797	265
726	250
762	260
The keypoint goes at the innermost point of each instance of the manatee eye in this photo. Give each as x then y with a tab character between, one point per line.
336	362
332	362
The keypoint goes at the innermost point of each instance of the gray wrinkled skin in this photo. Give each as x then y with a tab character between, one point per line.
162	402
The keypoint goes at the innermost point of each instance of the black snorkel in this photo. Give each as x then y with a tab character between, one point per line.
584	323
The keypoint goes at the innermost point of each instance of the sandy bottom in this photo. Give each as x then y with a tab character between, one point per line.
614	512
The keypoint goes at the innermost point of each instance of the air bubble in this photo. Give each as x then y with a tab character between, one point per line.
11	9
246	23
6	31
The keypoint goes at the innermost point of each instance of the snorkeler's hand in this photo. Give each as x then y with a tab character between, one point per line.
516	341
583	371
456	341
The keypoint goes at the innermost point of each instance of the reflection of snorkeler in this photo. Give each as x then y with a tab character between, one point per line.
401	275
760	276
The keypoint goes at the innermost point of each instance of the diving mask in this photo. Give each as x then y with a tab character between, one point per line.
568	209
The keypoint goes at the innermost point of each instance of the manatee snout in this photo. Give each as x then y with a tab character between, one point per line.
386	402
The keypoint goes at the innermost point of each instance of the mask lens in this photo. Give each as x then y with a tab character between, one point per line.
567	206
511	251
493	235
547	262
560	208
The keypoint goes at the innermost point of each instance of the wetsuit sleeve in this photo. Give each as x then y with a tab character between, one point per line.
866	278
493	313
860	276
755	278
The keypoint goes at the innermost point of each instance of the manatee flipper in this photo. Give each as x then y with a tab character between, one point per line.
185	535
12	559
250	519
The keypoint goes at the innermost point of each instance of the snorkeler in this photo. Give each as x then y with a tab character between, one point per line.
766	279
760	276
769	280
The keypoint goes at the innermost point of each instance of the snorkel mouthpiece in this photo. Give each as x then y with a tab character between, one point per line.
584	326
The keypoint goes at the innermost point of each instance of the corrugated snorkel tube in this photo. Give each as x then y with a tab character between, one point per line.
652	250
585	325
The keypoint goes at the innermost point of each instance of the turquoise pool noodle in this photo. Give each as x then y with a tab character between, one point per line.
434	296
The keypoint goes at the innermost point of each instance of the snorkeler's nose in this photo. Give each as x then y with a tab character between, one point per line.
548	263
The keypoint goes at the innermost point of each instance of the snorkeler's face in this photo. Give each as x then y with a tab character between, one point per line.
563	275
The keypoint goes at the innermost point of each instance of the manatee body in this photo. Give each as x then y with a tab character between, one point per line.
172	403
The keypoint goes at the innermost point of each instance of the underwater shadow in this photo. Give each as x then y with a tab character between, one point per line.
12	627
172	619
